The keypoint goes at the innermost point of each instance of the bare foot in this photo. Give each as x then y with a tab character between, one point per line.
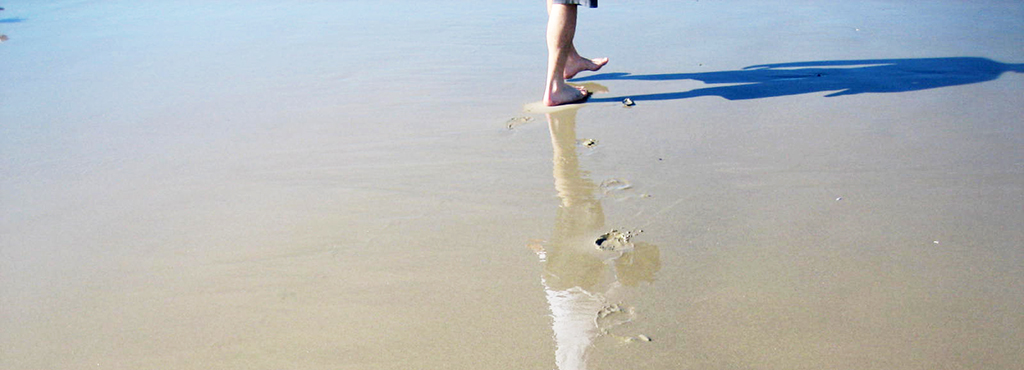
576	64
564	94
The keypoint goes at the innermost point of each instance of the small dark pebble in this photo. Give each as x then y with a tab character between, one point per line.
602	239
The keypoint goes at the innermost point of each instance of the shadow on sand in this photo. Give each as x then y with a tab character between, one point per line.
841	77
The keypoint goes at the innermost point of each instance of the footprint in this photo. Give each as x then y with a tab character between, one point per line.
615	185
617	189
614	315
616	240
514	122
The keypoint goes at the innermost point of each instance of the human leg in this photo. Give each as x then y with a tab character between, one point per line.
576	63
560	32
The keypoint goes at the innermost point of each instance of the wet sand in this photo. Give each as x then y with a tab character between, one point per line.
302	185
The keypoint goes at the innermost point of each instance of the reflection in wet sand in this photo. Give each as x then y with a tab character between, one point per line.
585	285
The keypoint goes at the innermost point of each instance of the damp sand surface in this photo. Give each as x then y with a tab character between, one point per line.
353	185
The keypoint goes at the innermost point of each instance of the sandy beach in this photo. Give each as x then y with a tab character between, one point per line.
372	185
